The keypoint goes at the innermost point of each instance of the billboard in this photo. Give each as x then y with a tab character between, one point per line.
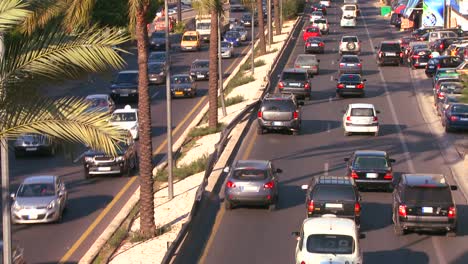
460	6
433	13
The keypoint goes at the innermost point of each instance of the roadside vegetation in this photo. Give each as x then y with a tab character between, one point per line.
185	170
465	89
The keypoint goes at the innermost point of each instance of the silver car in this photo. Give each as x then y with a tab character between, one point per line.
251	182
39	199
227	49
34	144
350	64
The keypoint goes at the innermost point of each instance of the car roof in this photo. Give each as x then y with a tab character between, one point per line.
390	42
349	56
129	71
349	36
370	152
97	96
39	179
361	105
126	109
436	180
329	224
256	164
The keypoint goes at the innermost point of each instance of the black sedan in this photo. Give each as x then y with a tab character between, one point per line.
419	58
350	84
200	69
157	41
456	117
441	62
182	85
319	7
314	45
125	86
371	169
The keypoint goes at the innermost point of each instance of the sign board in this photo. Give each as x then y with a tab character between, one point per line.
433	13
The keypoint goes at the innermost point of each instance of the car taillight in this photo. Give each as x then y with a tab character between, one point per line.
342	64
269	185
388	176
401	54
441	95
380	54
357	208
281	85
359	65
441	46
402	210
360	86
321	44
303	262
310	206
297	66
295	115
354	175
348	118
259	114
453	118
430	55
438	66
339	86
452	212
230	184
307	44
306	85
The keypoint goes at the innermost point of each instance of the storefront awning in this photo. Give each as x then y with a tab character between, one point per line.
400	9
412	4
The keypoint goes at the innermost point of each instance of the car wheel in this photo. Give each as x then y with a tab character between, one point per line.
398	230
128	171
86	174
227	205
347	134
260	131
376	134
451	233
295	132
60	218
272	207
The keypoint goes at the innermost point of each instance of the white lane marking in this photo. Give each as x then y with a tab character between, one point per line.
331	77
328	127
330	99
438	252
403	143
333	62
325	169
154	95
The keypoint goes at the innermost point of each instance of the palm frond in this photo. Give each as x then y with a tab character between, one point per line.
78	13
43	11
12	12
133	7
64	118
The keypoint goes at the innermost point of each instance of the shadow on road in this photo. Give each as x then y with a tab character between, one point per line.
389	256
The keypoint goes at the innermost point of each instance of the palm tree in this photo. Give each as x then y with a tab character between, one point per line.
277	17
261	27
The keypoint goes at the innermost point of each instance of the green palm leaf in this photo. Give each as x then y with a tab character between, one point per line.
43	11
12	12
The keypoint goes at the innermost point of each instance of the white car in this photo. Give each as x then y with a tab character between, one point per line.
315	15
361	118
227	49
328	239
350	10
326	3
349	45
126	118
348	21
322	24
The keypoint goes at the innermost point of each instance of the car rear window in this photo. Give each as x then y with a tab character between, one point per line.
158	34
427	194
350	78
201	64
249	175
127	78
312	29
370	162
350	8
334	192
460	109
349	59
362	112
306	59
296	76
330	244
278	106
349	39
318	21
390	47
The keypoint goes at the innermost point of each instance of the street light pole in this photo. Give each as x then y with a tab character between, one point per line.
253	37
170	180
281	13
270	27
220	69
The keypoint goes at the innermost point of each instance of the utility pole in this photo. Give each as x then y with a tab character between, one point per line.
170	180
5	185
179	11
220	69
253	37
281	13
270	27
447	14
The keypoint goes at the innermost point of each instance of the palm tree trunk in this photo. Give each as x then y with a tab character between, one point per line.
261	28
147	226
277	17
213	81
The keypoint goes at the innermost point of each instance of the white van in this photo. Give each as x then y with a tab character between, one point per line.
435	35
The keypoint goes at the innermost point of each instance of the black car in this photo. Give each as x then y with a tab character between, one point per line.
441	62
156	73
319	7
419	58
182	85
246	19
157	41
371	169
395	20
295	81
440	45
455	117
200	69
279	112
350	84
424	202
98	163
389	52
336	195
125	86
418	33
30	143
314	45
157	56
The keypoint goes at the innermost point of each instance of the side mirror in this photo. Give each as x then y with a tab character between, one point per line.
376	47
362	236
301	103
364	80
318	60
346	159
392	160
279	170
296	234
377	111
453	187
13	196
226	169
304	187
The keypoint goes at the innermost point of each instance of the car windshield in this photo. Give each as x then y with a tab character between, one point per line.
296	76
189	38
127	78
225	44
312	29
246	17
330	244
349	39
351	59
370	162
232	34
362	112
424	194
203	25
200	64
97	102
123	117
158	35
278	106
390	47
180	79
350	78
157	56
155	67
334	193
460	109
36	189
306	59
421	46
249	174
238	29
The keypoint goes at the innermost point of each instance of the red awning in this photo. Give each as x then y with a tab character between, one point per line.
400	9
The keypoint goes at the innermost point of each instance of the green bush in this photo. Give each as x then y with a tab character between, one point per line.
205	130
247	66
117	237
465	89
231	100
292	8
186	170
179	27
238	80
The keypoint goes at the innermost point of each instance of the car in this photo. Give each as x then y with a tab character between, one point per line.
328	239
322	24
315	15
440	45
156	73
123	163
441	62
349	45
361	118
462	68
295	81
246	20
17	253
308	62
419	58
200	69
445	73
446	80
191	41
326	3
348	21
311	31
39	199
126	118
455	117
124	87
319	7
389	52
233	37
435	35
157	41
227	49
443	104
32	143
349	64
100	103
350	84
336	195
236	6
251	182
182	85
417	33
314	45
424	202
242	31
445	88
279	112
371	169
405	41
413	45
157	56
350	10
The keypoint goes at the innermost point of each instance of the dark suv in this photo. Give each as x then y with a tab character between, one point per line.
424	202
295	81
336	195
389	52
279	112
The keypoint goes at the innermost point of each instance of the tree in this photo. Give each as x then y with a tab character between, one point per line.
277	17
261	27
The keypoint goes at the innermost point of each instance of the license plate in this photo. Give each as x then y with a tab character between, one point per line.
249	188
179	93
464	119
427	210
124	95
277	123
350	86
333	205
188	48
306	67
294	84
351	64
200	76
31	149
371	175
423	63
314	45
104	168
390	54
32	216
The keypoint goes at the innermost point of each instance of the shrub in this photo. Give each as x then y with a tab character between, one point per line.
179	27
246	66
292	8
231	100
238	80
186	170
205	130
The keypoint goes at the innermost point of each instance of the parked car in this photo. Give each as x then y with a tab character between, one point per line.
125	86
350	84
443	104
191	41
322	24
314	45
31	143
349	64
424	202
251	182
337	195
446	88
157	41
462	68
200	69
156	73
182	85
295	81
227	49
279	112
242	31
348	21
441	62
371	169
349	45
39	199
419	58
328	239
455	117
100	103
445	73
311	31
389	52
361	118
308	62
233	37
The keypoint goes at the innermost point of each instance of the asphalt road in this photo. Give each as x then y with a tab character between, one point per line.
255	235
49	243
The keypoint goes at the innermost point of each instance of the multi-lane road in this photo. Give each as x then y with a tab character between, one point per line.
256	235
93	203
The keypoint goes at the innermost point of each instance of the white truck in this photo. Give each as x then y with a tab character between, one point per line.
203	25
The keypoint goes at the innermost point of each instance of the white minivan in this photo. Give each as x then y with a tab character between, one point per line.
360	118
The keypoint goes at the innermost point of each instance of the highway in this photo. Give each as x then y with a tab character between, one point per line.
256	235
90	200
